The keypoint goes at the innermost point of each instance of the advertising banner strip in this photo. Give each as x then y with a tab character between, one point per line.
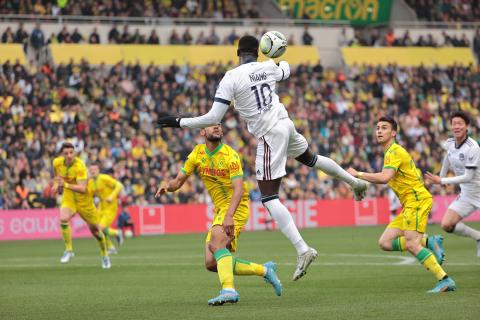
357	12
190	218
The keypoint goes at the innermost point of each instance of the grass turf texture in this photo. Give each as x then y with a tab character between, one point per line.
162	277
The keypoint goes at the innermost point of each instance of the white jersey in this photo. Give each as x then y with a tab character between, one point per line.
462	157
251	87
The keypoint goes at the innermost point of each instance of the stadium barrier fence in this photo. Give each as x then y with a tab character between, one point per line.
408	56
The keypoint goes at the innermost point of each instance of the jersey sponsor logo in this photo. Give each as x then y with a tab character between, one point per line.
214	172
234	166
254	77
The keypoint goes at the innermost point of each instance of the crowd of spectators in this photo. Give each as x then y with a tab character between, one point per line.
220	9
109	113
380	37
446	10
123	35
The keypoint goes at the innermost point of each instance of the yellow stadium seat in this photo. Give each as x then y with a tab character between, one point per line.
12	52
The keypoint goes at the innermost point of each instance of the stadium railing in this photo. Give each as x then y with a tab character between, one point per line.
263	22
167	54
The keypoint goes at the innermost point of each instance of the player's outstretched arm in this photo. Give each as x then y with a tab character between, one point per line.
172	185
378	177
466	177
115	191
214	116
445	167
80	186
283	71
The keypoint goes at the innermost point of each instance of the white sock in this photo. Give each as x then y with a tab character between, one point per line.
463	230
285	223
332	168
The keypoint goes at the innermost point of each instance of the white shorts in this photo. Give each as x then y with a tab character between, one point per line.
273	148
464	205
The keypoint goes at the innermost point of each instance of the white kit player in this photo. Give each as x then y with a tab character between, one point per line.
251	87
393	203
463	157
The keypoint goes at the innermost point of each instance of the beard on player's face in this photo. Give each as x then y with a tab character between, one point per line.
214	137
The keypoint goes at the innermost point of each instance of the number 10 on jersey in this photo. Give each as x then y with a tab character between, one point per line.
265	94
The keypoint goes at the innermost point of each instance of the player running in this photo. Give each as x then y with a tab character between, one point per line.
463	157
107	189
70	178
251	87
406	231
221	171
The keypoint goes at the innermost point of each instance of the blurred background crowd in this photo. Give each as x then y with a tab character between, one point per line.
109	113
144	8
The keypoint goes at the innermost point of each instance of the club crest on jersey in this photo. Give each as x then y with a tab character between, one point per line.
254	77
461	156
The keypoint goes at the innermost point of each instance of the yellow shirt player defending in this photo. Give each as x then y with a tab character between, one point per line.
220	169
406	231
70	178
107	189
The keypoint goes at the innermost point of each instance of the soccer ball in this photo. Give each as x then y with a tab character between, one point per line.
128	234
273	44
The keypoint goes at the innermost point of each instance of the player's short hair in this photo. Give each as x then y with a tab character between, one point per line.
460	114
66	145
96	163
390	120
248	44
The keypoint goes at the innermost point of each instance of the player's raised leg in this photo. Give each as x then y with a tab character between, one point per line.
109	232
284	221
224	266
66	215
102	244
452	223
393	239
332	168
427	259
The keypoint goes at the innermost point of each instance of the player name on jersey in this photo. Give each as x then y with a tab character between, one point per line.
254	77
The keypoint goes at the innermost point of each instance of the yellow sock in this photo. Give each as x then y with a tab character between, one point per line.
430	263
424	241
109	243
246	268
112	232
102	243
398	244
224	268
67	236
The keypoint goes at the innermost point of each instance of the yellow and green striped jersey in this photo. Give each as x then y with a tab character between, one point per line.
407	182
217	169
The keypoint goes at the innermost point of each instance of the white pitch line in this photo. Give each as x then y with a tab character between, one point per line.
154	261
114	265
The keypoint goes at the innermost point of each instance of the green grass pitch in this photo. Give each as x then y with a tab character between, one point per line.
162	277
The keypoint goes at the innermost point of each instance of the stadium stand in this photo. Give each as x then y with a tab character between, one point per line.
110	112
100	87
446	10
154	8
